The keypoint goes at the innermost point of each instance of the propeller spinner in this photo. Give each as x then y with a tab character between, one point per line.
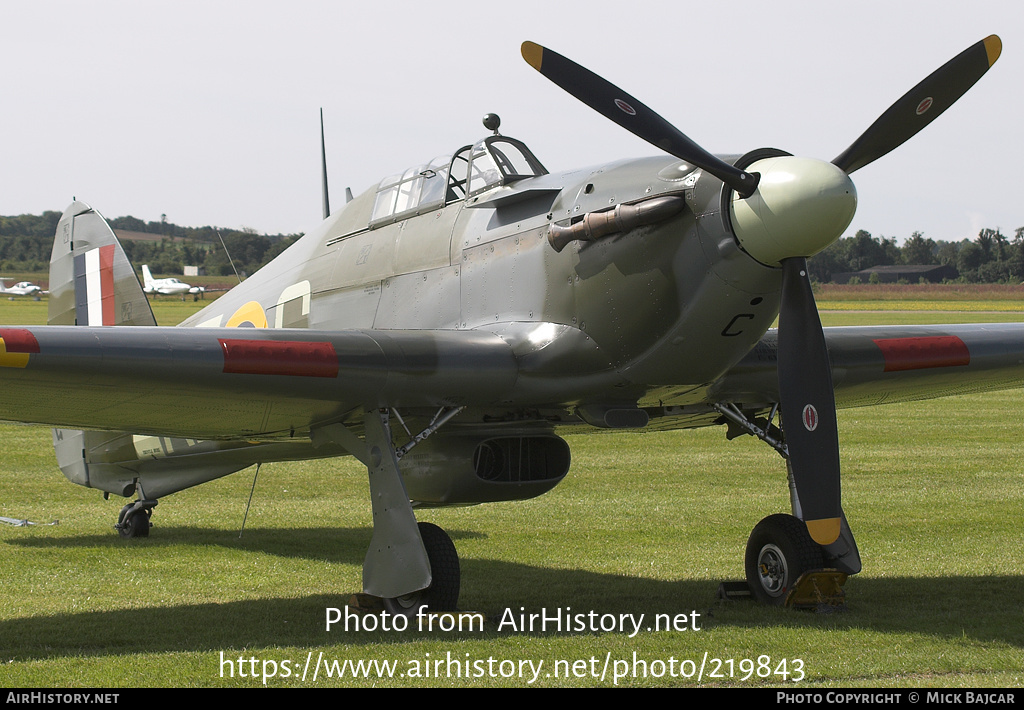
788	210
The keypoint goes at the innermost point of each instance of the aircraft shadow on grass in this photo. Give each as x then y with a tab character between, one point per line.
954	607
335	544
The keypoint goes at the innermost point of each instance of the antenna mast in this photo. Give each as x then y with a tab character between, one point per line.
323	166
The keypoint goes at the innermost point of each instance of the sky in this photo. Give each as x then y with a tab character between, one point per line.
208	112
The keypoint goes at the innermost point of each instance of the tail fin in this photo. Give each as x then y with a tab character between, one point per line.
93	283
147	277
91	280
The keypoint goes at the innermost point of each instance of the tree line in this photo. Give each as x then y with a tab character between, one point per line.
991	257
26	242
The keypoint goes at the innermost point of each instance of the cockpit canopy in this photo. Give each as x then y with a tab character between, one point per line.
494	161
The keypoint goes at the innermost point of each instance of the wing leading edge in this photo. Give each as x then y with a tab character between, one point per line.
231	383
884	364
235	383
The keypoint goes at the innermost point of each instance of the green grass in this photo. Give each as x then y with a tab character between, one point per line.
168	310
644	523
923	305
908	293
921	317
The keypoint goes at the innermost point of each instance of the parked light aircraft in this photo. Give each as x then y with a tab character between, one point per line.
22	288
449	324
167	287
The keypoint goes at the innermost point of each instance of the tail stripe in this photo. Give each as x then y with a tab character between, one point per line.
94	286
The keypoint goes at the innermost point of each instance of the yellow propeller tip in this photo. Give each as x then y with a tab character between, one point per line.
993	47
824	531
533	54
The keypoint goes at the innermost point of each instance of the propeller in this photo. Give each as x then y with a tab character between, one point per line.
808	404
615	104
788	210
921	105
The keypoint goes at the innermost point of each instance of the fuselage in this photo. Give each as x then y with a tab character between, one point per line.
653	315
168	287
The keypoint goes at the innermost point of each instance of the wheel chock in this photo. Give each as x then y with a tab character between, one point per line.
734	592
820	590
362	603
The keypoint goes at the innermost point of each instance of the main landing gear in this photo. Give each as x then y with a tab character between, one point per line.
779	552
409	565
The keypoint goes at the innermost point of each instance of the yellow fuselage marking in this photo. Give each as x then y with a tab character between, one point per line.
11	359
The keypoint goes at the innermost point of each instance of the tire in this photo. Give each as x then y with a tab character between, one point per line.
136	526
443	592
779	551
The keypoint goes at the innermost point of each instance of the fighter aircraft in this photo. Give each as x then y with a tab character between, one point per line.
22	288
167	287
449	324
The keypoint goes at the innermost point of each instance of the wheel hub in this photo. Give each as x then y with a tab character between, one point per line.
772	570
410	601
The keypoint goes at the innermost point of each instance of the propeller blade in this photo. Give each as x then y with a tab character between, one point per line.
921	105
625	110
808	404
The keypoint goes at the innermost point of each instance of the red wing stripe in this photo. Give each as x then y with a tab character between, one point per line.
280	357
922	353
19	340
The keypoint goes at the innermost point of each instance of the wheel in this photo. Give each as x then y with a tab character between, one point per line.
779	550
443	592
136	526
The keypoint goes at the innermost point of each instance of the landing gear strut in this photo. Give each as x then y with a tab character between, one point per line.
409	565
443	592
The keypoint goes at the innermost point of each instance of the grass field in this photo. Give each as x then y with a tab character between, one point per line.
169	310
644	523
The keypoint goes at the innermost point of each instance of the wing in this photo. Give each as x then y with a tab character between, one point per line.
232	383
882	364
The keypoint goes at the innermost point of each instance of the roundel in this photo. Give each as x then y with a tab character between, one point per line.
810	417
624	107
249	315
924	105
